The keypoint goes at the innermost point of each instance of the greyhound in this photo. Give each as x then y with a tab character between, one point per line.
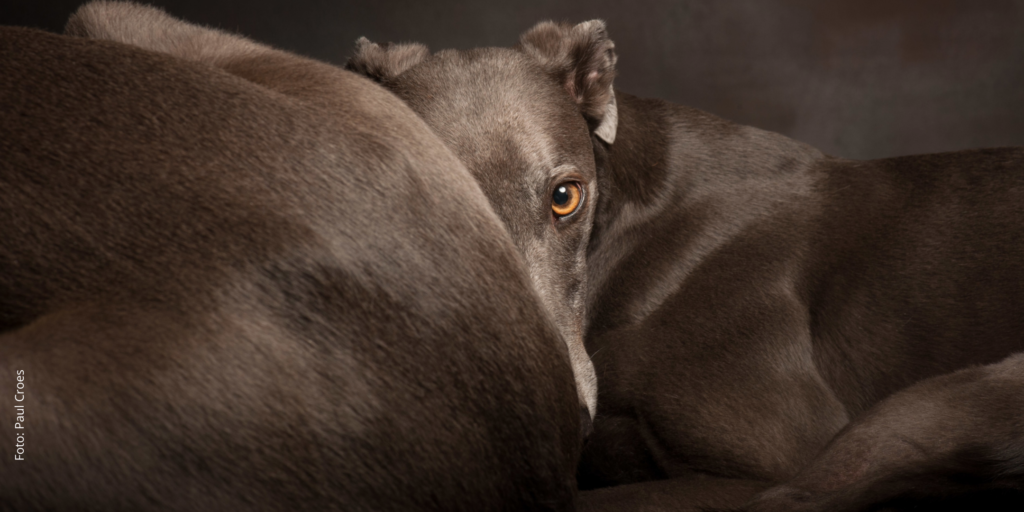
523	121
747	295
260	285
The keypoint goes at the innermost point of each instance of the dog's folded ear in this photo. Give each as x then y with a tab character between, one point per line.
582	58
388	61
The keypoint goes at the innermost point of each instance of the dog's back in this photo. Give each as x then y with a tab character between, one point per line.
221	297
917	268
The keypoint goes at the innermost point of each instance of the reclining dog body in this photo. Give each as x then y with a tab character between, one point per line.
751	295
267	290
774	293
747	295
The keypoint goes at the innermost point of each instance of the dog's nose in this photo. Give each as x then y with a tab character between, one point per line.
586	425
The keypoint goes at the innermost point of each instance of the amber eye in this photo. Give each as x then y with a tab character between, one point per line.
566	198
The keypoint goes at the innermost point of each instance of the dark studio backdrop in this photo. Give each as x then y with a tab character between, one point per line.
855	78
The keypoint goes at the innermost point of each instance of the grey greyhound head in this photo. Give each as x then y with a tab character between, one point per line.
522	119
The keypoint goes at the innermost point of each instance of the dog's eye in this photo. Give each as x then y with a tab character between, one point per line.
566	198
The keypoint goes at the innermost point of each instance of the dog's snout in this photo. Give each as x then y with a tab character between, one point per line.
586	424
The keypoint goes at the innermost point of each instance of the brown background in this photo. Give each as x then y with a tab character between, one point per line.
860	79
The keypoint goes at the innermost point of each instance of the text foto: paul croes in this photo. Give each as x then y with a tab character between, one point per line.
19	424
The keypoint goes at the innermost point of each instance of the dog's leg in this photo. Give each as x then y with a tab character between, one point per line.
722	380
957	436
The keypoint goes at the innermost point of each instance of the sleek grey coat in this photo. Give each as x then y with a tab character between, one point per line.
235	279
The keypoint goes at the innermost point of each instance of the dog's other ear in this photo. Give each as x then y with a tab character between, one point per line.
582	59
384	62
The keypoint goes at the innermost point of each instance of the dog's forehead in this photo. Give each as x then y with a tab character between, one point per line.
484	101
481	69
